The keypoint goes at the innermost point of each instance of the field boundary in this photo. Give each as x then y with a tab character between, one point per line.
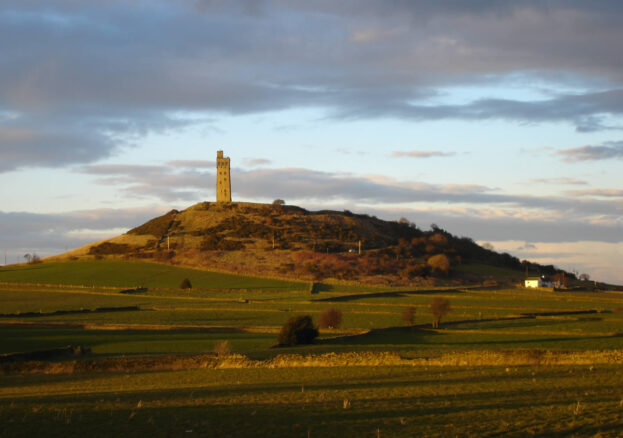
365	359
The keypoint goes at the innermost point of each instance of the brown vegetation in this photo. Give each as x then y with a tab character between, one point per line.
408	315
439	307
288	241
330	318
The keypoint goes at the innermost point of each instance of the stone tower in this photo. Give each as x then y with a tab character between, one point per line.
223	182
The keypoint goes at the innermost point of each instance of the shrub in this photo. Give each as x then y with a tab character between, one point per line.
297	330
330	318
185	284
222	348
439	264
439	307
408	315
34	259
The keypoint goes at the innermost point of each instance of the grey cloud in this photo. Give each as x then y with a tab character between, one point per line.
527	246
29	146
193	164
255	162
606	151
169	184
166	183
504	227
89	77
421	154
607	193
584	111
48	234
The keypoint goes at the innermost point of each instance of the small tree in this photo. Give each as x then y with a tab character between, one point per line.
330	318
28	257
297	330
408	315
439	307
185	284
585	277
279	203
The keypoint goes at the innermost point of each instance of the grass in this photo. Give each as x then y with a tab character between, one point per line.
115	273
479	319
386	401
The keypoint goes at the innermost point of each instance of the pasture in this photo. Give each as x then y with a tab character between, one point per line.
386	401
49	306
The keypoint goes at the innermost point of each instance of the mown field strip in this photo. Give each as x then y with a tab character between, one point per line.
579	332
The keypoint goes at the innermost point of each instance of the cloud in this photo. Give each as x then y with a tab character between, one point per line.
89	78
560	181
27	146
192	164
597	258
606	151
606	193
48	234
526	246
165	183
421	154
255	162
169	184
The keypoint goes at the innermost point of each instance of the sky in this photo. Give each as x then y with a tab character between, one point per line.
493	119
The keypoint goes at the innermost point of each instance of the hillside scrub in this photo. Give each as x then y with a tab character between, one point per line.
289	241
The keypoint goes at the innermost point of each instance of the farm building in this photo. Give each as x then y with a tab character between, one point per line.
537	282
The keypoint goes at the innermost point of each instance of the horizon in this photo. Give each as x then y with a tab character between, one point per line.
496	121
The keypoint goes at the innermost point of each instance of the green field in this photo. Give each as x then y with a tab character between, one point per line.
52	305
319	402
131	274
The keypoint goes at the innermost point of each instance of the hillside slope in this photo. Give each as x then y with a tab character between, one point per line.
288	241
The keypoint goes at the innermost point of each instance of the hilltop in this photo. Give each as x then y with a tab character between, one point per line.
291	242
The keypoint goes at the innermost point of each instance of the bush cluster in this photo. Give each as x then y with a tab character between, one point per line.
109	248
186	284
297	330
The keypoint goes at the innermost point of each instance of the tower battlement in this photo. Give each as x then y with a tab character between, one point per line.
223	180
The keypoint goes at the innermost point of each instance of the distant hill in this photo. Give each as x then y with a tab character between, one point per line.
291	242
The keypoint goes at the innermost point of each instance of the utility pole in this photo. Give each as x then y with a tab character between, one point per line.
360	247
168	243
273	240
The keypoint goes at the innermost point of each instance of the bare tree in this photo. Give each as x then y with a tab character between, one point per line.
330	318
408	315
439	307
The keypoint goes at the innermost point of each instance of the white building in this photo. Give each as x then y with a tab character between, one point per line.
537	282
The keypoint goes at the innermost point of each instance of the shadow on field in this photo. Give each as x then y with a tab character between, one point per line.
389	335
412	334
392	294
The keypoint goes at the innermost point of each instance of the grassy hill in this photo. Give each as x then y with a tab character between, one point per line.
291	242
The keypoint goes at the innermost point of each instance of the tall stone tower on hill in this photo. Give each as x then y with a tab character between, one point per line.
223	182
